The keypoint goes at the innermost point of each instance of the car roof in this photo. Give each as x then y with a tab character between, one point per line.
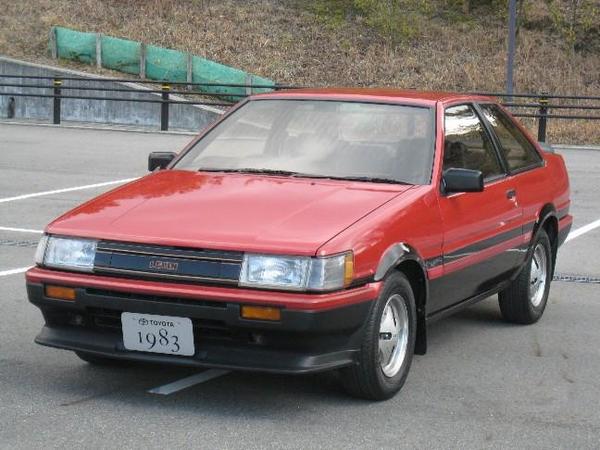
387	94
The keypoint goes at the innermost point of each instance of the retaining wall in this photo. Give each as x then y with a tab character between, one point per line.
185	117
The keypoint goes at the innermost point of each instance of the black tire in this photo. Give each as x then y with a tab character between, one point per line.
99	360
366	379
517	303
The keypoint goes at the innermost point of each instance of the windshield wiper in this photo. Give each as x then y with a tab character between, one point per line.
251	170
290	173
377	180
356	178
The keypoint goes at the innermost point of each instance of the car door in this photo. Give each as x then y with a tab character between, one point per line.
522	161
481	230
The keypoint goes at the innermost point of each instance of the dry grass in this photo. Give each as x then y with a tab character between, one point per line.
284	41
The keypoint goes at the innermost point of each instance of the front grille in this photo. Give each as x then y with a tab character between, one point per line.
170	263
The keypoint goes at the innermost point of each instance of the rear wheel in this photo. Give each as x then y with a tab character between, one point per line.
525	299
388	343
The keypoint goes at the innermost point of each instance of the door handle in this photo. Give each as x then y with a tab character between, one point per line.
511	194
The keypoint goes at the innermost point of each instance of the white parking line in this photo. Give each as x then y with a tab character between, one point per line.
187	382
14	271
21	230
582	230
60	191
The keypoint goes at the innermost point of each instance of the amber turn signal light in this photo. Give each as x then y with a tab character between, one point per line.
60	292
261	313
348	269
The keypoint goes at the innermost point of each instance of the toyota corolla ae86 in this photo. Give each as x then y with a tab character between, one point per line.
307	231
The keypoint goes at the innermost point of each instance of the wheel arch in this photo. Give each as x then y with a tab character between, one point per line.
401	257
548	221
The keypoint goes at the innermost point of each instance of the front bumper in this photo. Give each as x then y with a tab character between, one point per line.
303	341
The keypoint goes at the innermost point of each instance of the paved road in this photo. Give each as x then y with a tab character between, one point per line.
483	383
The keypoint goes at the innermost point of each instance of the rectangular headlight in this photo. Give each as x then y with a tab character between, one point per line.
278	272
297	272
67	253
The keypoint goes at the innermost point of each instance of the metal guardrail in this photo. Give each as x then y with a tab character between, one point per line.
542	106
536	106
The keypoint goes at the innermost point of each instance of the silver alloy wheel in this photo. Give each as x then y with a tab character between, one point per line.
538	275
393	335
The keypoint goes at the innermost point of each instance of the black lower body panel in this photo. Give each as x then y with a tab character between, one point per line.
470	282
301	342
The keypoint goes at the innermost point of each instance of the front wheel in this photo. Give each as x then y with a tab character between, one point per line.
388	343
525	299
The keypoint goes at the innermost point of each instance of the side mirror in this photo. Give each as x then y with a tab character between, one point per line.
463	180
160	160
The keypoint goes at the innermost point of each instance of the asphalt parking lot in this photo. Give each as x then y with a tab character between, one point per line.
483	383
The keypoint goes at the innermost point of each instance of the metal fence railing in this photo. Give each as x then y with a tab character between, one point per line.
542	107
539	106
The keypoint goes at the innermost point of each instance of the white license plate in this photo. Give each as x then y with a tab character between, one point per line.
158	334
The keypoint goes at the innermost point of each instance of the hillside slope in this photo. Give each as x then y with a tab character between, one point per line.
298	42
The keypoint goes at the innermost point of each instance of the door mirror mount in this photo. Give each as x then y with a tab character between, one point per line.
160	160
462	180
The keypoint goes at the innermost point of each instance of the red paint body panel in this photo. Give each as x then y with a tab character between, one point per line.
543	186
468	218
412	218
265	214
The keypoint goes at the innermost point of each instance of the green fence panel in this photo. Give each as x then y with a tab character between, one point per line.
207	71
121	54
260	81
165	64
162	64
75	45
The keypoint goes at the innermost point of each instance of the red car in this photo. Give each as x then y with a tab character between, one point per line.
308	231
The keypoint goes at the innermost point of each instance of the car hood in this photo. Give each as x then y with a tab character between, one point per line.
227	211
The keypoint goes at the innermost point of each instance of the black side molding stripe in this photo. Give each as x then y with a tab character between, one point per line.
528	227
483	245
479	246
434	262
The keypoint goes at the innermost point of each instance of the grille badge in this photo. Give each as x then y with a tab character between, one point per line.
168	266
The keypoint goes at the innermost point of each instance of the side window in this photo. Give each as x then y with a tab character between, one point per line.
515	147
467	146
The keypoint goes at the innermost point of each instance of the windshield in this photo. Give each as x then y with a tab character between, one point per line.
346	140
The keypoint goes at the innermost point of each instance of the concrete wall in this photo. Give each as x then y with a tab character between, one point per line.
184	117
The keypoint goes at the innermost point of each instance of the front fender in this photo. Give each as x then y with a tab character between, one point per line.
393	256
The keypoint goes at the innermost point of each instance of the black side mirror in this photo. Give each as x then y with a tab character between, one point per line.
463	180
160	160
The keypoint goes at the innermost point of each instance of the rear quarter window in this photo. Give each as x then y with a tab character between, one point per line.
516	149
